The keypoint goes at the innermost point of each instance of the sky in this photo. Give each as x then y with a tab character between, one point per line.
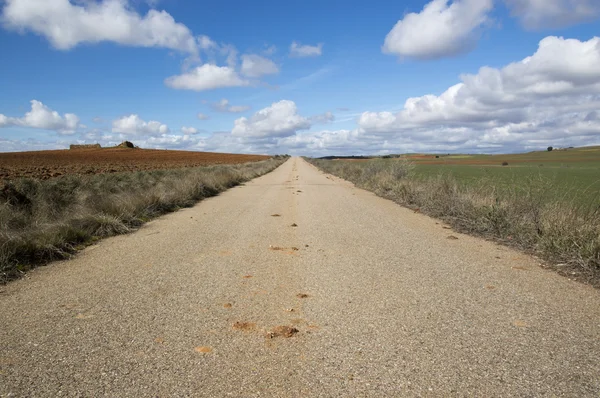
312	77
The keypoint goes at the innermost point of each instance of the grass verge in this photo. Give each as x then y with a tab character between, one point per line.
41	221
532	216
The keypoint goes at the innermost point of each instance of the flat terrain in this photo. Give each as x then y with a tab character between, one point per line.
298	284
577	157
572	174
48	164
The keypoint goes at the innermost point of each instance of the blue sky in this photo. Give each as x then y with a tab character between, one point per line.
308	78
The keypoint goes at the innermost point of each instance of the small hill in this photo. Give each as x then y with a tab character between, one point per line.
126	144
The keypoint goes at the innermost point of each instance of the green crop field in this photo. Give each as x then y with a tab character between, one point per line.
572	174
545	202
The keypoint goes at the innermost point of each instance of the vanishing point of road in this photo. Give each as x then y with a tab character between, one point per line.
297	284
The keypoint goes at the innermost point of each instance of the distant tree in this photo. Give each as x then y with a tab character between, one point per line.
504	163
550	149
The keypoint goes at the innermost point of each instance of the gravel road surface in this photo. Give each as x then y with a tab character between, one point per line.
297	284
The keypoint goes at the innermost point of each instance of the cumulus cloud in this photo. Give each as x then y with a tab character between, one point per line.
206	43
202	116
231	53
168	140
256	66
441	29
541	14
281	119
189	130
42	117
206	77
300	51
67	25
29	145
547	97
224	106
174	141
134	125
326	142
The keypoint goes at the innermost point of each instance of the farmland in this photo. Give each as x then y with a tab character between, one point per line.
582	156
572	174
49	164
52	203
542	202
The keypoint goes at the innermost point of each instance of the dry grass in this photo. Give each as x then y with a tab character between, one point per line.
533	217
42	221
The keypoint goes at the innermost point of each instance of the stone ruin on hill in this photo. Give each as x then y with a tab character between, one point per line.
87	146
126	144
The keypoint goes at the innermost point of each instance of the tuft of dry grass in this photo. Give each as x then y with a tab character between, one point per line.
533	216
41	221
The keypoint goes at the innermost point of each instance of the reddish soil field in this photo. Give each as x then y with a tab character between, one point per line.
575	155
497	160
49	164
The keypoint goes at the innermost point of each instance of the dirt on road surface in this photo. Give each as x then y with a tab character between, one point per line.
362	298
49	164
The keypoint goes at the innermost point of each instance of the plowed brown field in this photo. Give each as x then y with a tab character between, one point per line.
49	164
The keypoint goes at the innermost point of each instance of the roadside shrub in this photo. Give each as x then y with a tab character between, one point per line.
504	163
47	220
529	216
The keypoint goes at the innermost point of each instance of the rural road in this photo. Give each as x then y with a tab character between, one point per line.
387	303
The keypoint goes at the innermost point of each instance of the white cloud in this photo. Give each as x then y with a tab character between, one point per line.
4	121
42	117
333	142
231	54
134	125
29	145
206	77
439	30
206	43
281	119
549	97
189	130
540	14
224	106
173	141
158	141
256	66
299	51
202	116
67	25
